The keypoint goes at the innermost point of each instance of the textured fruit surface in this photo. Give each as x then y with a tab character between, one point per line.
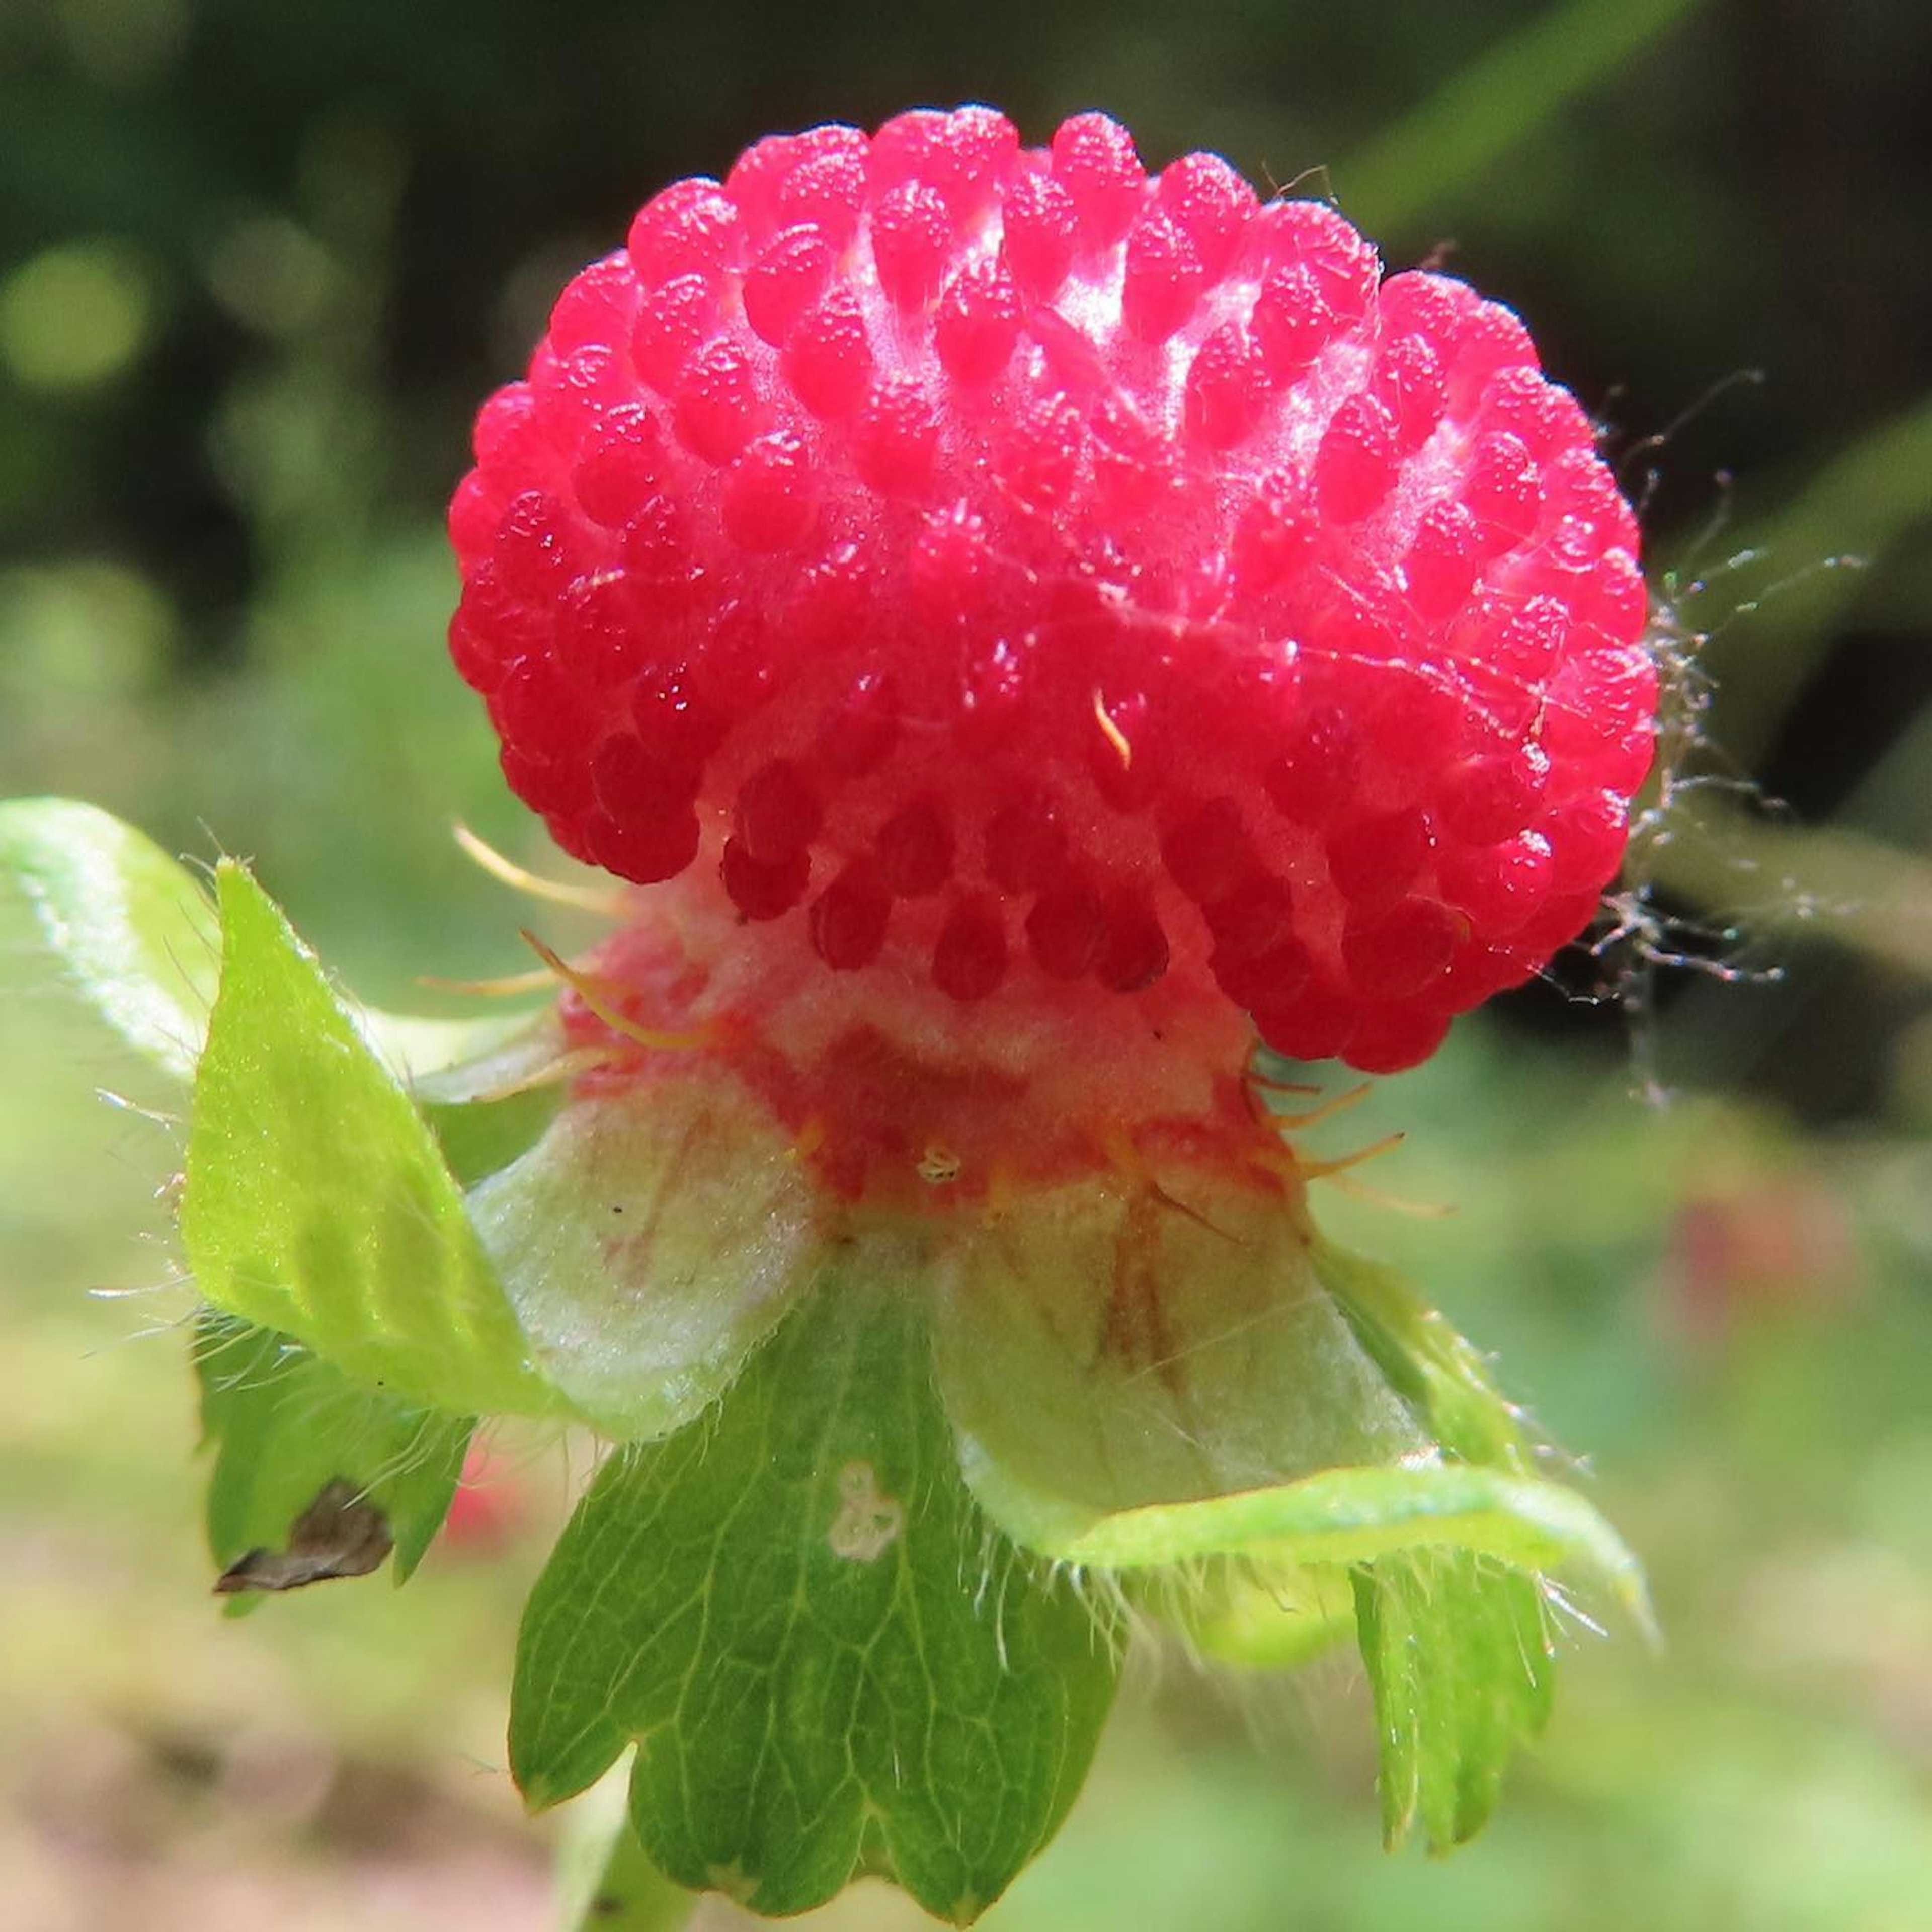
1013	574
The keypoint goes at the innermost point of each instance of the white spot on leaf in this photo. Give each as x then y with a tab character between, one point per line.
868	1521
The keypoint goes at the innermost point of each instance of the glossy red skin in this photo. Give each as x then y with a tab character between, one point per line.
1006	570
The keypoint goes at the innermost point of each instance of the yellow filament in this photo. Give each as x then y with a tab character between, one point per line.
1322	1170
1111	732
608	903
1377	1197
1278	1159
1255	1078
510	986
811	1138
591	991
565	1066
1118	1144
1315	1116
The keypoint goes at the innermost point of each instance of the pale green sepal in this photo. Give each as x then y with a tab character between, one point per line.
648	1242
317	1202
1355	1515
134	928
832	1665
1260	1617
284	1424
487	1086
1432	1368
1101	1347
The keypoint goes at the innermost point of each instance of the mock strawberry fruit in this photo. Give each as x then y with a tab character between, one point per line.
1012	576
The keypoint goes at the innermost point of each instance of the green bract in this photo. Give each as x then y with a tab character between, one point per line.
857	1581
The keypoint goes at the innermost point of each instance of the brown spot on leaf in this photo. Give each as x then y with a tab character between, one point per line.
340	1534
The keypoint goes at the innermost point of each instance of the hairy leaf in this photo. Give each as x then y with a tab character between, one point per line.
317	1202
1444	1546
1458	1660
831	1662
284	1425
1434	1370
1265	1616
133	928
1446	1560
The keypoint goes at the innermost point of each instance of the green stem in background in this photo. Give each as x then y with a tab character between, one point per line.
1866	500
1824	883
1441	149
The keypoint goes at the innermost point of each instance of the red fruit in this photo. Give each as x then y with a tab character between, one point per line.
1010	577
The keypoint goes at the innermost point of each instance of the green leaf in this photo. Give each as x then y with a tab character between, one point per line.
316	1201
487	1086
1869	498
648	1242
480	1138
284	1424
1102	1347
1169	1360
1458	1654
139	934
133	928
1132	1382
832	1665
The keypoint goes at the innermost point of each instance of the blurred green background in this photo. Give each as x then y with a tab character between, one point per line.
257	265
